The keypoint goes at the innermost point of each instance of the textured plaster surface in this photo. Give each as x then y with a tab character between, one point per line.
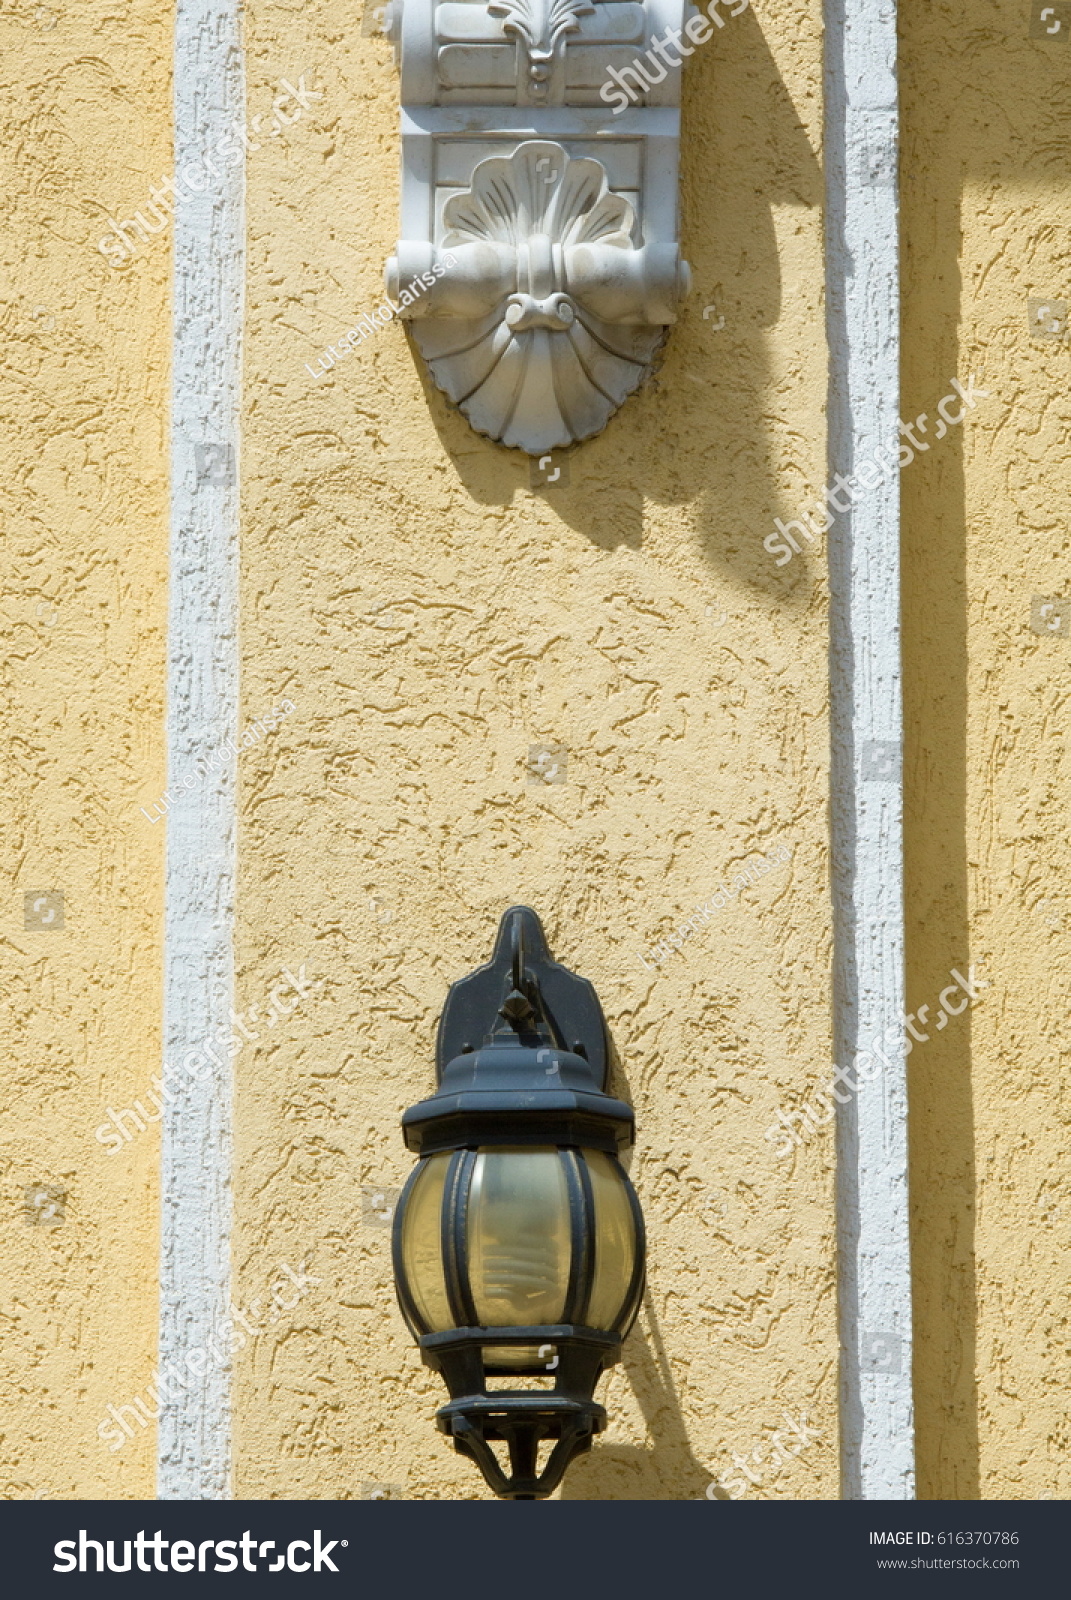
432	617
985	532
84	130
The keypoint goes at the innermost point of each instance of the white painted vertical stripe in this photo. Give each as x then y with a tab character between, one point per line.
202	712
877	1429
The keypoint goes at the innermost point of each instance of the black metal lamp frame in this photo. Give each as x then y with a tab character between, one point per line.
523	1086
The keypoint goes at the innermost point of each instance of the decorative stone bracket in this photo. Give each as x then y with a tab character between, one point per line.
538	228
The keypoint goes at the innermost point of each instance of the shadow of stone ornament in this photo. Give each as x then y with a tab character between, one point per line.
564	269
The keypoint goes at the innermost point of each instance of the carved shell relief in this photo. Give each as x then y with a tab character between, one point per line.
544	292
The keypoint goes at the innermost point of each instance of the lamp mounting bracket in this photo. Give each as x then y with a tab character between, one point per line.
524	990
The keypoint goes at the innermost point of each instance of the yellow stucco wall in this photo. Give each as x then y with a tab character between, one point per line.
84	128
986	139
431	617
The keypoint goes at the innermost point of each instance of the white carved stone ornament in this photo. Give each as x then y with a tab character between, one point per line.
541	230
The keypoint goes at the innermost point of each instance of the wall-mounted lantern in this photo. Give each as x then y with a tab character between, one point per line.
518	1240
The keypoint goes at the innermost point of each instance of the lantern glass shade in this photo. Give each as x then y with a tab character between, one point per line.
615	1240
519	1238
422	1250
538	1236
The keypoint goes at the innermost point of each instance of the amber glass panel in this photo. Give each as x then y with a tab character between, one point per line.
615	1241
532	1357
519	1242
422	1251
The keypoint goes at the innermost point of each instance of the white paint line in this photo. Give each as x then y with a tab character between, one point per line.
863	277
202	708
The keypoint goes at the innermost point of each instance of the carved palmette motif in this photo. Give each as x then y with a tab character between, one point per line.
540	228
